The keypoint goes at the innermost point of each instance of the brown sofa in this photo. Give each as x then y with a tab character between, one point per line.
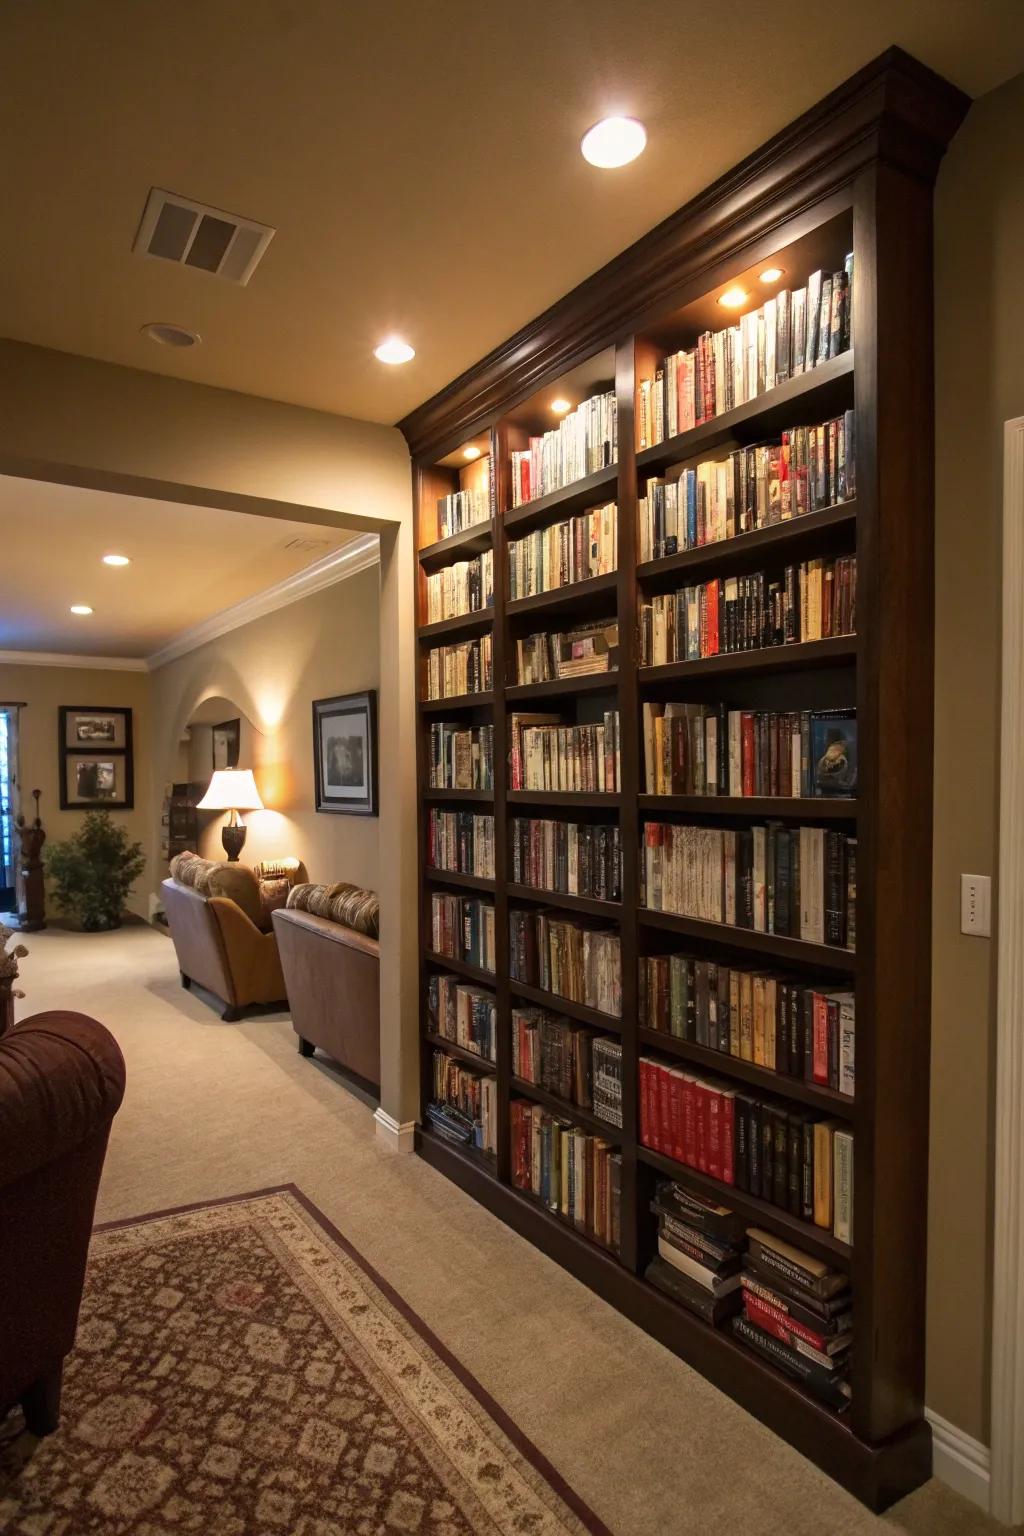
61	1084
219	915
332	974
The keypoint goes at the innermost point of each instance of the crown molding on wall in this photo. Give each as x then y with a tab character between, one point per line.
349	560
62	659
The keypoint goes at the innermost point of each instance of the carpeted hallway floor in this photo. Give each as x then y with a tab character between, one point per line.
218	1109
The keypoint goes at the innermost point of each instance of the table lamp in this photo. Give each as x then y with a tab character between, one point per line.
234	790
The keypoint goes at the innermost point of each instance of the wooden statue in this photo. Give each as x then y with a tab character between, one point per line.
31	887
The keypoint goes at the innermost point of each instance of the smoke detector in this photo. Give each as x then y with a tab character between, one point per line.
191	234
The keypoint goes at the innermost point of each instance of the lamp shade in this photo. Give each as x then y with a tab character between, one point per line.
231	789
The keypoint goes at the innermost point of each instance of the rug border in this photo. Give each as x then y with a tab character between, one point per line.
522	1442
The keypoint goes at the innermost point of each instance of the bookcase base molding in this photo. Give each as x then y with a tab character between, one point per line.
877	1475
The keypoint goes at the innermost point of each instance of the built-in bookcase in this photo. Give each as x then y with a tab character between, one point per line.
853	176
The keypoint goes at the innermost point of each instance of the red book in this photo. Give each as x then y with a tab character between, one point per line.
714	1133
664	1109
819	1058
779	1324
676	1112
748	751
728	1102
701	1122
646	1135
712	590
689	1121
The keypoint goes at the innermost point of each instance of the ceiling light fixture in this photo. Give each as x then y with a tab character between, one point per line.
560	406
471	453
82	609
116	560
394	351
166	334
771	274
733	298
614	141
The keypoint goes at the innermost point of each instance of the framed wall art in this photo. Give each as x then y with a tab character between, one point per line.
345	753
96	766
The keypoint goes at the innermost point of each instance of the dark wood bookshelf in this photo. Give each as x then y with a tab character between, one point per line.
805	808
748	548
461	624
582	799
829	387
562	503
469	1057
854	174
457	877
828	1100
761	1213
554	1003
592	904
472	796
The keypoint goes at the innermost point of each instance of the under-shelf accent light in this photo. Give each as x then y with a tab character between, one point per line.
733	298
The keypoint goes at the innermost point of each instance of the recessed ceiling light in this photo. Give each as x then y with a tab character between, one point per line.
169	335
560	406
614	141
82	609
394	350
733	298
116	560
471	453
771	274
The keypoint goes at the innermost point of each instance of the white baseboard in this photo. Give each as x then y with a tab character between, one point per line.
391	1133
959	1461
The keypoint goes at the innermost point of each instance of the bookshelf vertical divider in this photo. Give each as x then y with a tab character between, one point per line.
858	167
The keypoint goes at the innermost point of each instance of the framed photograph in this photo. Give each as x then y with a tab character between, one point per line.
96	761
85	729
345	754
226	739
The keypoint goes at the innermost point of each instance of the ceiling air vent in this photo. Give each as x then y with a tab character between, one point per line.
306	546
195	235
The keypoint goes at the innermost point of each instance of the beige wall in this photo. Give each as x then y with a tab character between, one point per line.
979	384
271	670
44	690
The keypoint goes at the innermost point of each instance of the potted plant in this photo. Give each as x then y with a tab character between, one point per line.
8	976
93	872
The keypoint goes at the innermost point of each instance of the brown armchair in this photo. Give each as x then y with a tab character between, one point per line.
61	1084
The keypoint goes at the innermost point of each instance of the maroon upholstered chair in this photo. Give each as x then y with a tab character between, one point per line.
61	1084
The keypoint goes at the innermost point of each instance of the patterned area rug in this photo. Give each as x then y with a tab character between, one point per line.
239	1370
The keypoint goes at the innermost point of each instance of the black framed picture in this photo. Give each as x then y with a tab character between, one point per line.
96	758
345	753
226	743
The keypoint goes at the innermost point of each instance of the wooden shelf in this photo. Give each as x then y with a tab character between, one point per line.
777	1083
558	1106
456	701
458	546
592	904
469	1057
582	799
472	796
460	968
827	388
565	1005
802	1234
580	596
804	808
456	877
571	498
461	624
728	554
802	951
562	687
839	181
770	658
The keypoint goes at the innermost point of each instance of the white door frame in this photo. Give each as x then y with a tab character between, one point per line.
1007	1462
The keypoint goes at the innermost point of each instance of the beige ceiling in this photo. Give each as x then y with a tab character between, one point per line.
188	563
418	158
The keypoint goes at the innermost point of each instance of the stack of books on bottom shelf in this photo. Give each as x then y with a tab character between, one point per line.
700	1253
464	1108
798	1314
575	1175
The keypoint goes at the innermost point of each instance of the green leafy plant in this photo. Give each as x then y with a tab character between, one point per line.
92	873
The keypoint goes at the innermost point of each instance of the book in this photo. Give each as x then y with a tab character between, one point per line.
714	1309
718	1285
584	441
566	957
827	1383
577	549
574	1174
794	1265
578	858
842	1183
834	752
465	586
461	842
460	669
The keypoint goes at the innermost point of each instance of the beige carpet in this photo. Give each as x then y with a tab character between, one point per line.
216	1109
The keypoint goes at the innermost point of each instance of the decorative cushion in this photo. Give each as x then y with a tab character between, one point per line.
273	894
217	877
342	903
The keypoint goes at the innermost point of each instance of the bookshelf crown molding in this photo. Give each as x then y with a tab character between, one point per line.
894	110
